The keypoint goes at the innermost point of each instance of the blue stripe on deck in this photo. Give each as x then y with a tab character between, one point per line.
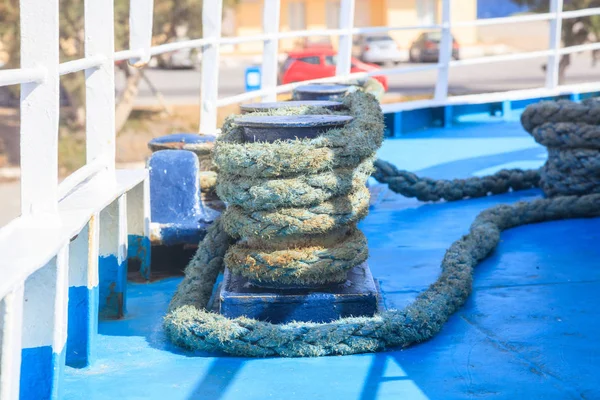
41	373
530	329
113	283
83	326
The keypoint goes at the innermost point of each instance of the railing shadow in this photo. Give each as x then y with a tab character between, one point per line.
379	374
217	379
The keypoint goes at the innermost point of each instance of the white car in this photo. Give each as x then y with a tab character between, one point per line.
184	58
379	49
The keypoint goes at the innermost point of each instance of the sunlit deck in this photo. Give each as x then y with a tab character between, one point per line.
529	330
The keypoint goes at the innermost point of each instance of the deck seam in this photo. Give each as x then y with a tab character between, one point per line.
535	368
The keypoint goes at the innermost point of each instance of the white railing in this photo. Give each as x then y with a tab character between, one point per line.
87	212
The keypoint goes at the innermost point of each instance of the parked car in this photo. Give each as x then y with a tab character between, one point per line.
378	49
427	48
184	58
320	63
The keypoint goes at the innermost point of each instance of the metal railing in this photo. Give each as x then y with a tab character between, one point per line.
96	197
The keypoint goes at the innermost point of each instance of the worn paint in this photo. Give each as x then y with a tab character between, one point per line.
112	288
112	262
177	213
138	226
139	248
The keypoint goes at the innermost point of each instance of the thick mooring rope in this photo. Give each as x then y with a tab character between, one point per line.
409	184
570	131
294	205
190	325
572	169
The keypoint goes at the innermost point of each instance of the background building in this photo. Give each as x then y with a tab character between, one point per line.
324	14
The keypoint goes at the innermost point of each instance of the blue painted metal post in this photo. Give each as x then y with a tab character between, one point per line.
448	116
176	210
112	262
44	329
397	124
506	110
138	226
83	296
253	78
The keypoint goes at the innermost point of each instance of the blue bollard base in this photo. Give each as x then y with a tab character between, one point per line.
358	296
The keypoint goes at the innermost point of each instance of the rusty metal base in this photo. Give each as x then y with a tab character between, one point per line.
358	296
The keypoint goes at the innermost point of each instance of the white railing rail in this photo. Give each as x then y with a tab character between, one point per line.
53	215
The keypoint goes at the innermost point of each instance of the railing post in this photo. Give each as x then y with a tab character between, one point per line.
140	29
100	82
344	62
83	295
11	328
445	54
553	65
39	108
138	226
45	329
270	65
209	89
112	262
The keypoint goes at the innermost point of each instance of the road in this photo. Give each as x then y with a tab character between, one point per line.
183	86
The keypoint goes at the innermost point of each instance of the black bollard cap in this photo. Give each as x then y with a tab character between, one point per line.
321	91
257	107
288	127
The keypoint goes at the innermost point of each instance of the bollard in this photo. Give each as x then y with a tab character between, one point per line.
255	283
263	107
321	92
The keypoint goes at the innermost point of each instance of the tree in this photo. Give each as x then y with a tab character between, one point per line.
168	15
575	31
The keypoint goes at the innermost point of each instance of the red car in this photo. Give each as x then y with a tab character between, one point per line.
318	63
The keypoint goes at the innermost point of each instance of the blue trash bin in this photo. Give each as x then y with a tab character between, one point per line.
253	78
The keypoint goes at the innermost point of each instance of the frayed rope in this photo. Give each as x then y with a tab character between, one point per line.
189	324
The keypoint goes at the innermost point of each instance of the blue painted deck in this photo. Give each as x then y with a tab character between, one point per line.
530	330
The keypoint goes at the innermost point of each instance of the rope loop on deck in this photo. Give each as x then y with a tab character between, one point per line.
570	131
268	213
190	325
426	189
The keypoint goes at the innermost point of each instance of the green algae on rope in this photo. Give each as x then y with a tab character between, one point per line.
188	323
300	191
319	263
336	148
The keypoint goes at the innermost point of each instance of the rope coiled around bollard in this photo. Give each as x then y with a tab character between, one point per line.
190	325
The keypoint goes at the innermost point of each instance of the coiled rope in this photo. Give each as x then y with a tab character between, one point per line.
570	131
189	324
